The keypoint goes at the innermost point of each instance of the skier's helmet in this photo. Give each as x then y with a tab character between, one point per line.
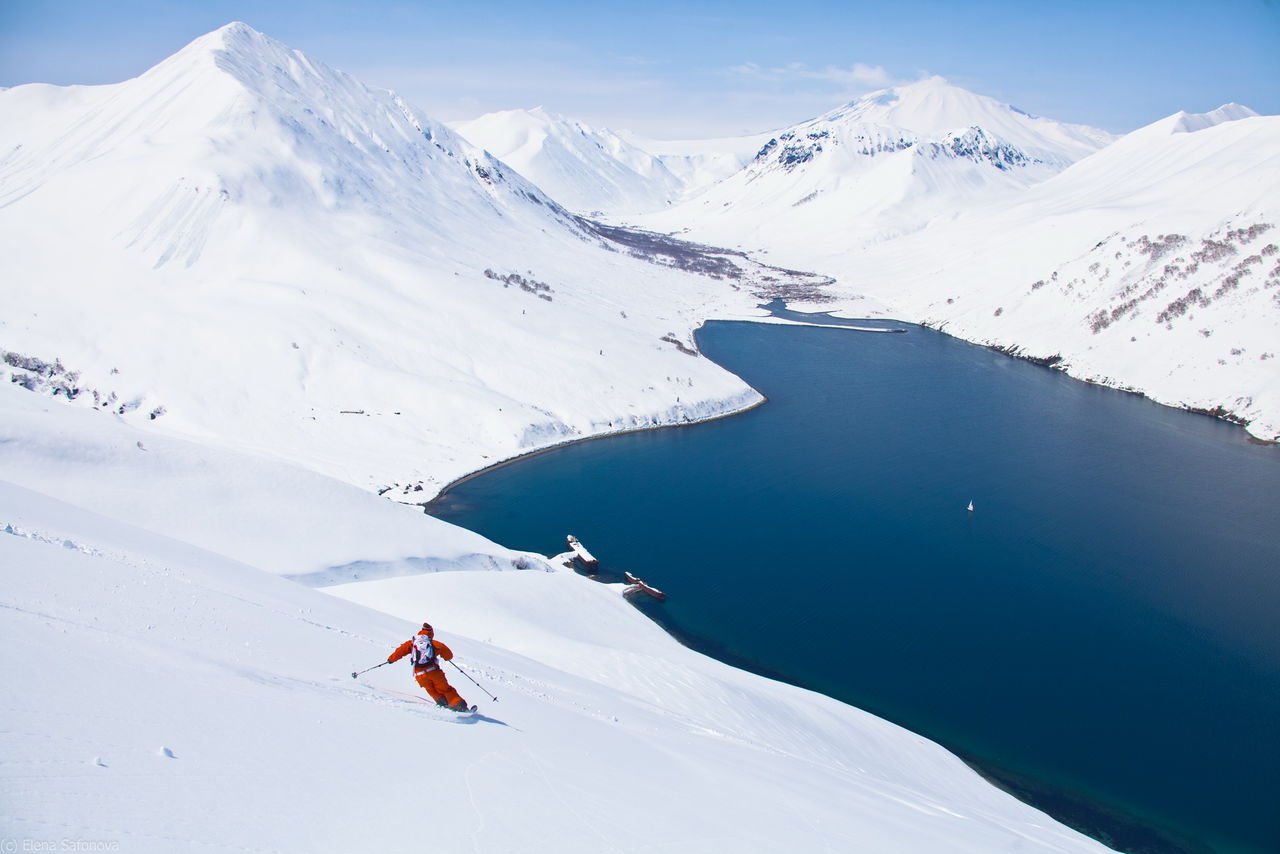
427	630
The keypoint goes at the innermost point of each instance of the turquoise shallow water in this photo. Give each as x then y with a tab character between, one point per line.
1099	635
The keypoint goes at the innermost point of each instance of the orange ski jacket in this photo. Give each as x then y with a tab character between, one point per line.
405	648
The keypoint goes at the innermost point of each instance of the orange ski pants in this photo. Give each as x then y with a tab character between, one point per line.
434	683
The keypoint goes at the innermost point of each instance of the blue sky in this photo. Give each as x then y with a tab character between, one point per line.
690	69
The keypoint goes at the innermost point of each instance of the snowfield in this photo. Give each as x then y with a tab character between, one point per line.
173	696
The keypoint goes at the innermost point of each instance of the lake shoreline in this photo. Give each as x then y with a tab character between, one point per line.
778	317
781	321
1105	822
444	491
1075	817
578	440
1055	361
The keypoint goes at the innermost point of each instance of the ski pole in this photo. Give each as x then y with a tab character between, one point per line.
367	669
477	684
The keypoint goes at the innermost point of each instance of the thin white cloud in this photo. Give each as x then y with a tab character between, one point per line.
446	89
633	96
857	76
860	75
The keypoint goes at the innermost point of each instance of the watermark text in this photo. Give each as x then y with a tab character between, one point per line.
12	845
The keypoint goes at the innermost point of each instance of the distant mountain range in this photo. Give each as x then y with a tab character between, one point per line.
600	171
1146	262
882	166
603	171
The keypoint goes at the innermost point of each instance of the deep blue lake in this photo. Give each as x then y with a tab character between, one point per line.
1101	635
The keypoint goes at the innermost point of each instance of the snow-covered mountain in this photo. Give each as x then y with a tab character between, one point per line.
251	247
884	165
592	170
1151	265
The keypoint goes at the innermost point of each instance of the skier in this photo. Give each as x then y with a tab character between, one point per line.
424	653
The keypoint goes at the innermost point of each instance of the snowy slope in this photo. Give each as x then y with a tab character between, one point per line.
255	249
882	166
158	688
592	170
280	517
1151	265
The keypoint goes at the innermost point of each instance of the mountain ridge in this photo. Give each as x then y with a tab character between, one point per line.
934	106
880	167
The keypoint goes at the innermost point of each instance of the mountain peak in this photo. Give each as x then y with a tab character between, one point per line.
926	106
1184	122
932	106
256	61
234	49
235	30
234	37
